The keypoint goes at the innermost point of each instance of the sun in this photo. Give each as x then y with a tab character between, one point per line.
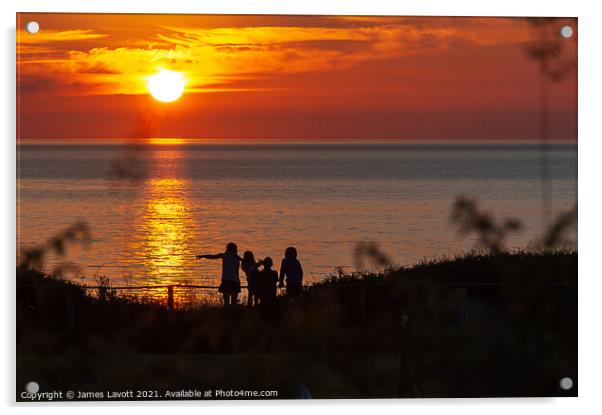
166	85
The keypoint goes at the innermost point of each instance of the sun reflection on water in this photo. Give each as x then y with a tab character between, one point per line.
166	228
166	223
164	234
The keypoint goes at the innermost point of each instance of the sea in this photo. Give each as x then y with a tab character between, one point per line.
152	207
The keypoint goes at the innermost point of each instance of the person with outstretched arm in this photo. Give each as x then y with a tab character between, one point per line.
230	284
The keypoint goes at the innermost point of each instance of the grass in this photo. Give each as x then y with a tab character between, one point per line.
503	324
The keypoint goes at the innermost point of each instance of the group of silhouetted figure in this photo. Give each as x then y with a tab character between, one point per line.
262	283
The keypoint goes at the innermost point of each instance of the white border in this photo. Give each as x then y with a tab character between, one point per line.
348	7
590	209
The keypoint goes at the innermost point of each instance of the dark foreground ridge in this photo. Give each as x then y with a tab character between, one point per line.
474	326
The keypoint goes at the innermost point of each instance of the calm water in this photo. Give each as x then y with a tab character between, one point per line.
323	199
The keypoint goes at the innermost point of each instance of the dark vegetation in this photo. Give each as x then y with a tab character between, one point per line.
499	324
491	323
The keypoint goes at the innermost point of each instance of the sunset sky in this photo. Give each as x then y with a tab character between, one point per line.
286	77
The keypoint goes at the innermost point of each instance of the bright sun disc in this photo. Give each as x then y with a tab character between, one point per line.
166	85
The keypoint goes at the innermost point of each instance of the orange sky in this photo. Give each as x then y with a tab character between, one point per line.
292	77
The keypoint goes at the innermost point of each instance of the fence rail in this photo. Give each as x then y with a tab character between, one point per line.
170	289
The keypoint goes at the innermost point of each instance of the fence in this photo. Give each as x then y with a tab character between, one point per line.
363	287
170	289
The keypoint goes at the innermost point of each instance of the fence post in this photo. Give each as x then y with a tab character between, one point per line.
170	303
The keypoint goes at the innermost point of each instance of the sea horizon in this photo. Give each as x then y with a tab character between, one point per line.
284	141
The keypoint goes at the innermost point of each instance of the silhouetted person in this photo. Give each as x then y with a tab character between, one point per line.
249	266
291	270
230	285
267	279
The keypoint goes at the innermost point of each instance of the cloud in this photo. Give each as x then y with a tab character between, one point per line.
52	36
46	41
225	57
